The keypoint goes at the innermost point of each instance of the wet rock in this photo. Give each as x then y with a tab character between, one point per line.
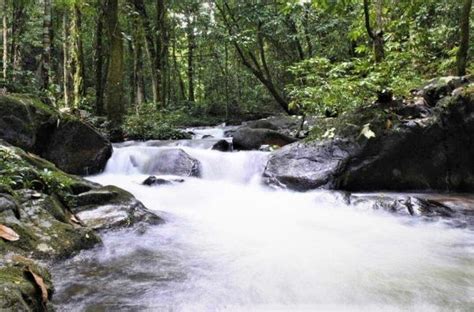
429	153
207	136
175	162
252	139
405	205
152	180
306	166
222	146
111	207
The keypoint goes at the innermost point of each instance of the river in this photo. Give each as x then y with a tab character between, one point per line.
231	244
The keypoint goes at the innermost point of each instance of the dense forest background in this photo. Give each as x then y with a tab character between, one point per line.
140	68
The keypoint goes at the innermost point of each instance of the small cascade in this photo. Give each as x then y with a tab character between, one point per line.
231	244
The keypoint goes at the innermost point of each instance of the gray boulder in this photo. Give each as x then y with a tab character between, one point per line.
174	161
426	153
251	139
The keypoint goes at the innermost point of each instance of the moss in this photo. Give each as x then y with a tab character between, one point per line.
33	102
18	291
350	124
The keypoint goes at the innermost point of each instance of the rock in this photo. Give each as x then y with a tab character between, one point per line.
174	161
252	139
404	205
207	136
18	290
152	180
222	146
427	153
111	208
306	166
77	148
438	88
72	145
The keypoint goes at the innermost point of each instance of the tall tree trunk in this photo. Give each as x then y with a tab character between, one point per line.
182	91
138	95
46	57
66	63
191	43
18	28
5	39
99	60
77	57
162	49
114	85
151	49
463	52
377	36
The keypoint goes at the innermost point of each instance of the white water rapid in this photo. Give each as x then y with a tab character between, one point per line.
231	244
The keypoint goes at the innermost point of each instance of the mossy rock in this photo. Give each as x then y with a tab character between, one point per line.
18	289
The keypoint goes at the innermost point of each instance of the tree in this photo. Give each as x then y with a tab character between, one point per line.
99	58
4	6
114	90
46	57
377	35
463	52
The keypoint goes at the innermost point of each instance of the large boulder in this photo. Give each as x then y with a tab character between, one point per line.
174	161
374	148
77	148
251	139
72	145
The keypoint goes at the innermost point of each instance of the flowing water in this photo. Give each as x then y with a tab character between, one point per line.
231	244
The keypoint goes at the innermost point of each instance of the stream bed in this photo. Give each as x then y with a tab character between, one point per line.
231	244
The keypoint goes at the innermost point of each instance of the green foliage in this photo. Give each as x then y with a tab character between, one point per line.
17	173
148	123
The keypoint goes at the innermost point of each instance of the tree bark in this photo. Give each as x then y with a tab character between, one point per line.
99	60
66	64
162	49
114	84
191	44
46	57
18	28
77	57
463	52
151	49
4	39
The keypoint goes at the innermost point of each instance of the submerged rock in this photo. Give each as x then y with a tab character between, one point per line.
377	149
152	180
72	145
252	139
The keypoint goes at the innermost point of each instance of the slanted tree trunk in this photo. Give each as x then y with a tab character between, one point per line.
463	52
99	60
377	36
46	57
258	68
114	90
3	5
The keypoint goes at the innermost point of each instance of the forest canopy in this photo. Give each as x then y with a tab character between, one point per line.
151	65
